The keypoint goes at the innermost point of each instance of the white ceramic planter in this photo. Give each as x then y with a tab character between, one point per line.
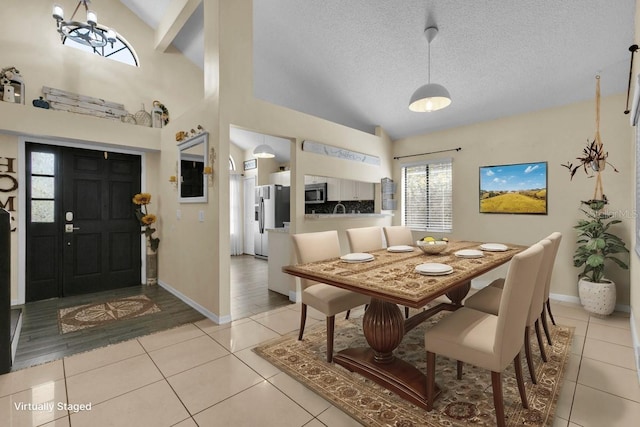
597	298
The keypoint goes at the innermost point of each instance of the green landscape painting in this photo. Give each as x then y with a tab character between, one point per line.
514	189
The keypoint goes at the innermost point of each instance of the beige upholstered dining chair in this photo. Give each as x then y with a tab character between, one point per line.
486	340
555	238
365	239
488	300
329	300
398	235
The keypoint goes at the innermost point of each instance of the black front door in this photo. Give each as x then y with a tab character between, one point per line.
82	234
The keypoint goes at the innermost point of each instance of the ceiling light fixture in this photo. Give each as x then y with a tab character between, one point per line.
87	33
432	96
264	151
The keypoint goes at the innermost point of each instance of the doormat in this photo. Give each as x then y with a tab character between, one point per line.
91	315
466	402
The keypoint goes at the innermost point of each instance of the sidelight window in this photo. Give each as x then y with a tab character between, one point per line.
42	187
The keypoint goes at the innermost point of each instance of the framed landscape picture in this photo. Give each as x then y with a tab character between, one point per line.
514	189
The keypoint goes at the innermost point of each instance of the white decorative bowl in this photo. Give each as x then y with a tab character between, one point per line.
433	247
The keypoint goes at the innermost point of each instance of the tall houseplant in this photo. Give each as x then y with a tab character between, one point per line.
596	243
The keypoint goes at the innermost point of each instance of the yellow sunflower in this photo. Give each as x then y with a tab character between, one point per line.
148	219
142	199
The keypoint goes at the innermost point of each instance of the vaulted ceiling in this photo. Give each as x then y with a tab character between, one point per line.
358	62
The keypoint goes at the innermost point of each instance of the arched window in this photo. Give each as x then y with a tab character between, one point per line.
121	50
232	164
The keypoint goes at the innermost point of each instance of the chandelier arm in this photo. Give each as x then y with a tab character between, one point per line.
78	7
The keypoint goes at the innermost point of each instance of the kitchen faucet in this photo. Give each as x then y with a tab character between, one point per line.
335	210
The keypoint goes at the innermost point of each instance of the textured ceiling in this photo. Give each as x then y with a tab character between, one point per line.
358	62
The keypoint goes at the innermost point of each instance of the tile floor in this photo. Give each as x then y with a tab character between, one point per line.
203	374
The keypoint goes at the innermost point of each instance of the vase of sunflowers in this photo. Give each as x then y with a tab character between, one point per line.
146	220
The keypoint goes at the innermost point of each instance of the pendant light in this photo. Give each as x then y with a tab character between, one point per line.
432	96
264	151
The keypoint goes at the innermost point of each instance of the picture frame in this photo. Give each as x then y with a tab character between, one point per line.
250	164
519	188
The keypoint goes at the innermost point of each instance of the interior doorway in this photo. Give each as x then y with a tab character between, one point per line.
82	235
249	185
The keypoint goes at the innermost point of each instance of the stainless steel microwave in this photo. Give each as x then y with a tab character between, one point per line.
315	193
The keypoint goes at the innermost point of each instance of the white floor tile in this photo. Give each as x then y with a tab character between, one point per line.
298	392
268	408
595	408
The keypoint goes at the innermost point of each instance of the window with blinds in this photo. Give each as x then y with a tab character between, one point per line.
427	196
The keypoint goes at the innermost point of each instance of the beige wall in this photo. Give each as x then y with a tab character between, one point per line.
556	136
635	261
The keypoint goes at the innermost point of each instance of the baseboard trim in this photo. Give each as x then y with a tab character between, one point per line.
635	337
208	314
294	296
576	300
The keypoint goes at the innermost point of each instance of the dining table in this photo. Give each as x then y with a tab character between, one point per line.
390	278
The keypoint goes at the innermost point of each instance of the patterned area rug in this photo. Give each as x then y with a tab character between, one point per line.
91	315
461	403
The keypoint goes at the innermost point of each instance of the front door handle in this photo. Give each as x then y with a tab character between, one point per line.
68	228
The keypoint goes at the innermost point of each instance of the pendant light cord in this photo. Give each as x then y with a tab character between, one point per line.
597	135
429	63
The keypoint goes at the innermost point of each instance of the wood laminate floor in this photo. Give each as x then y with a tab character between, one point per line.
40	340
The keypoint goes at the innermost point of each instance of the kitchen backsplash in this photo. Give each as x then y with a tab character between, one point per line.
356	206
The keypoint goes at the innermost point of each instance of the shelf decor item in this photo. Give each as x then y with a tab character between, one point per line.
159	115
146	221
40	103
11	85
143	118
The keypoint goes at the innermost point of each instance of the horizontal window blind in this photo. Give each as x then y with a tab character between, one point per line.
428	196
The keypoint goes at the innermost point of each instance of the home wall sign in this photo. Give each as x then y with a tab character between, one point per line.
340	153
250	164
8	184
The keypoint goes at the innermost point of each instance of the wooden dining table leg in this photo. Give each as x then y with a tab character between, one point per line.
383	327
459	293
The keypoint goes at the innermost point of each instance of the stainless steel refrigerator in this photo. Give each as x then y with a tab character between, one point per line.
271	211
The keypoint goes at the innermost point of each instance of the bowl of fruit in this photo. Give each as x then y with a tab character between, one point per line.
431	245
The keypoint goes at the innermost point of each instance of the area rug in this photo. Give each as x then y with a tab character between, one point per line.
85	316
466	402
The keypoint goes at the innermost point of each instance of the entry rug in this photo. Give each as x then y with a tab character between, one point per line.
466	402
91	315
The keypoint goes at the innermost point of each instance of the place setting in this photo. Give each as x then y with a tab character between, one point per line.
357	257
400	248
494	247
469	253
433	269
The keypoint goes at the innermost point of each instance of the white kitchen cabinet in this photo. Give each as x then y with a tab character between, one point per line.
365	190
356	190
281	178
312	179
333	189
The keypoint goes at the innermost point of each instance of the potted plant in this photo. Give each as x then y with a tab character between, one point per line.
146	221
596	245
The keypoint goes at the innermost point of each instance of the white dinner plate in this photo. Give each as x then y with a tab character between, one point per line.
400	248
493	247
469	253
434	269
357	257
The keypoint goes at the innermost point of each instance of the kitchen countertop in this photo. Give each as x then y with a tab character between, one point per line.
278	230
347	215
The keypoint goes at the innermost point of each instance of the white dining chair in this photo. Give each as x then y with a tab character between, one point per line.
486	340
329	300
488	300
398	235
365	239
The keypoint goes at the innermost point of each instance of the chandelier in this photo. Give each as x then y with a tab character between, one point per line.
87	33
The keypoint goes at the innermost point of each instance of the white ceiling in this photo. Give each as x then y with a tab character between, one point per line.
358	62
